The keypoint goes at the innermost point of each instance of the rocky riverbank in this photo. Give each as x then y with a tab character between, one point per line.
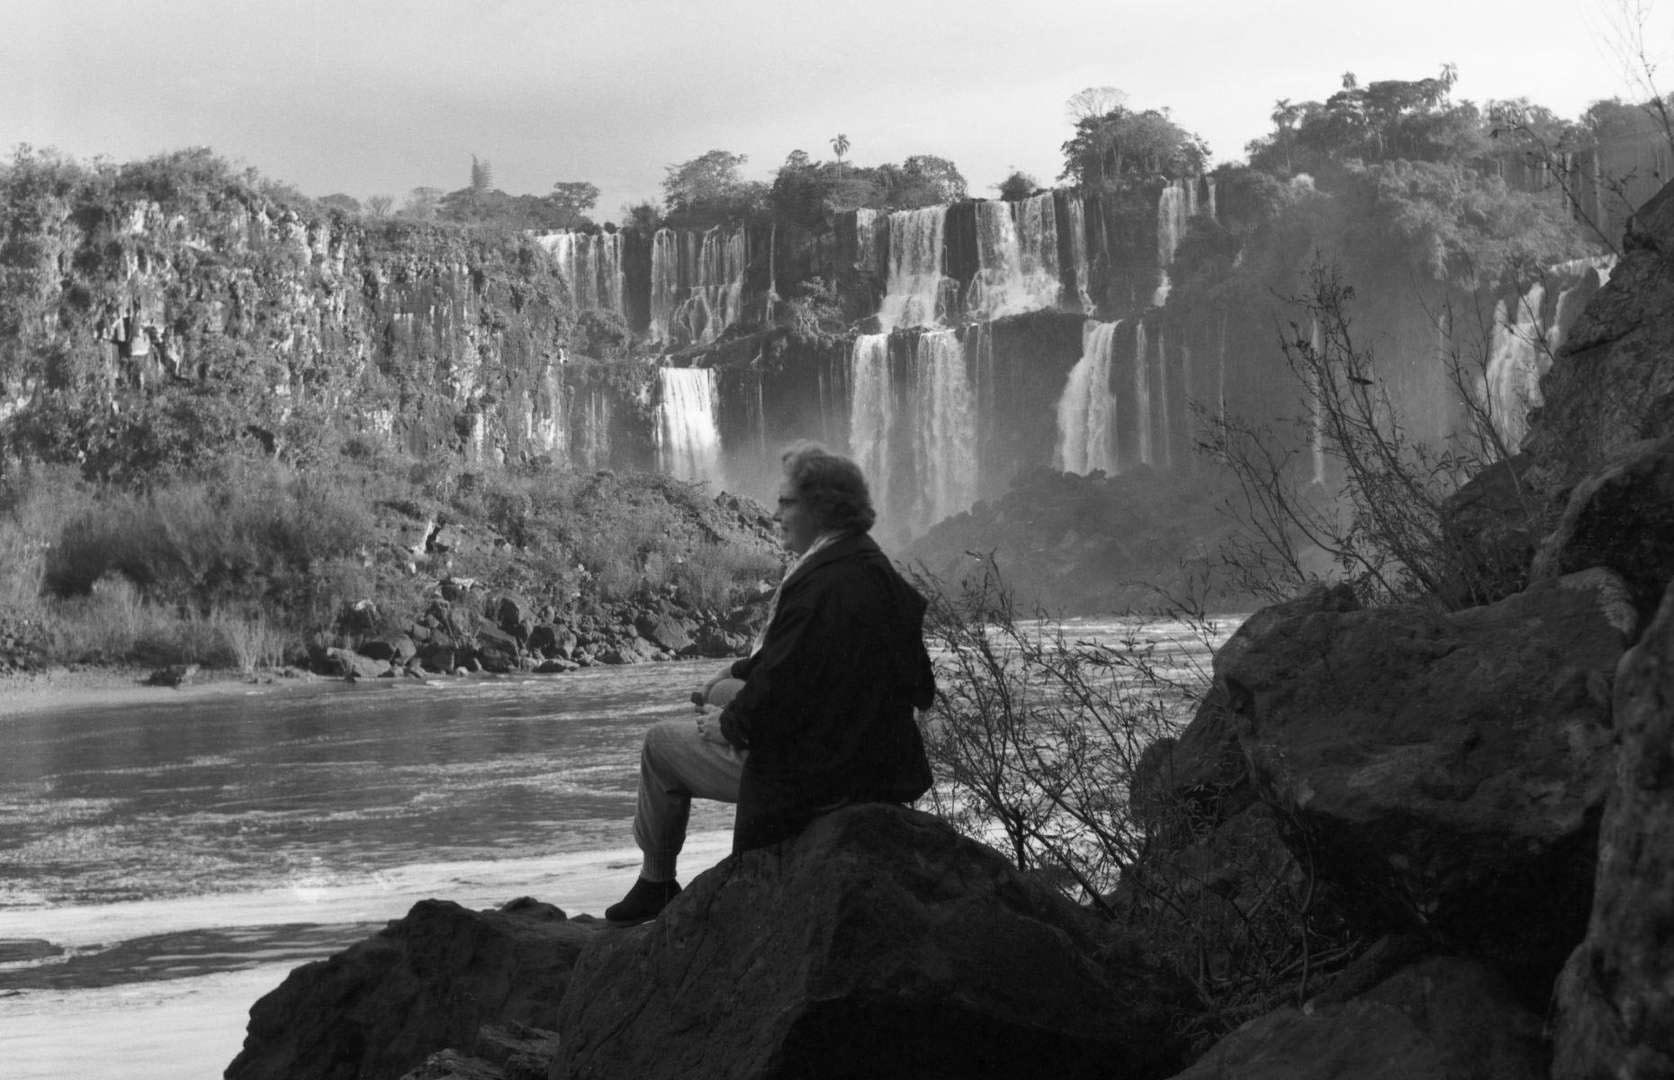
1392	843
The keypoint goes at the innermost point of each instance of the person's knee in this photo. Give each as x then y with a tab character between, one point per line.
667	737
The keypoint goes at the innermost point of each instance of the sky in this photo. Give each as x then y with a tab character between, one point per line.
381	96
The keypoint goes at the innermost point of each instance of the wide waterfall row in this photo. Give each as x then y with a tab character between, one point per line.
1526	335
591	265
697	284
1026	256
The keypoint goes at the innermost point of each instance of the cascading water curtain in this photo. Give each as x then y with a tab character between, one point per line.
1087	409
871	414
944	430
688	440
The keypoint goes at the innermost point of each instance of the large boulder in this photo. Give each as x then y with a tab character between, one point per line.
425	983
1447	770
1621	518
879	943
1616	998
1440	1019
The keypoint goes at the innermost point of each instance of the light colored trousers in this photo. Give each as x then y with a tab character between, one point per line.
676	765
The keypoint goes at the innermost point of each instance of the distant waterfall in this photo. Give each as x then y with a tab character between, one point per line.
1087	409
1017	258
871	413
1142	393
665	282
1175	206
943	430
866	240
1077	213
1523	343
546	416
688	442
714	277
591	266
917	282
1164	452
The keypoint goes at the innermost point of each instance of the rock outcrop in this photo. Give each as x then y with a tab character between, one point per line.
1615	1001
879	943
1441	1019
428	982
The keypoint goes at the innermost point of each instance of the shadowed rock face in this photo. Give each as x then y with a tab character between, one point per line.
1447	770
425	983
877	944
1616	998
1437	1020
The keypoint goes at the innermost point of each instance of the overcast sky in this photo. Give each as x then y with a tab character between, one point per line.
381	96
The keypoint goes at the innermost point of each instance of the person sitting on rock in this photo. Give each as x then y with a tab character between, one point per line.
820	714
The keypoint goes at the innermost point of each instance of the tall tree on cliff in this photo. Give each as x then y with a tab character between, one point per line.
1117	148
708	190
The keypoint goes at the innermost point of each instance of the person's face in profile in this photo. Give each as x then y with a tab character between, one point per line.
797	527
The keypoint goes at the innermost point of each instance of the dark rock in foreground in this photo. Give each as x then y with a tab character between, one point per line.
1616	998
1442	1019
1447	770
427	982
877	944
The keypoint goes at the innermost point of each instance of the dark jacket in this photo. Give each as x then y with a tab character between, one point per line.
826	710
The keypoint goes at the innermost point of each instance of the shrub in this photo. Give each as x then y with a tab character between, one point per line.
1036	737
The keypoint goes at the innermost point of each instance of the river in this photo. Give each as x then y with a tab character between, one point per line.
181	856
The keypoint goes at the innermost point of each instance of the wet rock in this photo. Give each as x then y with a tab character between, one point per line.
512	613
1615	1001
428	982
1446	768
346	663
1440	1019
496	650
664	631
879	943
393	648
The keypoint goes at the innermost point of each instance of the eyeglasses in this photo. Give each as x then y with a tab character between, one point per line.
783	502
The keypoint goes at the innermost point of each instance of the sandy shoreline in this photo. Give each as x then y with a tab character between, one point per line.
71	688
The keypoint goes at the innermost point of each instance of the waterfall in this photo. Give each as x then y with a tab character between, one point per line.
943	430
591	266
871	413
1165	424
1521	344
665	282
866	240
714	277
1174	207
546	415
1076	210
1017	258
688	442
914	295
1142	392
1087	409
1519	351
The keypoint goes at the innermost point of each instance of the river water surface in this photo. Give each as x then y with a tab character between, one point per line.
162	866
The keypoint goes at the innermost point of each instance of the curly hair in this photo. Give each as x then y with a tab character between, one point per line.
830	486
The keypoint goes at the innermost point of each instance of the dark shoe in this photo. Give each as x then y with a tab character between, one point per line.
644	902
